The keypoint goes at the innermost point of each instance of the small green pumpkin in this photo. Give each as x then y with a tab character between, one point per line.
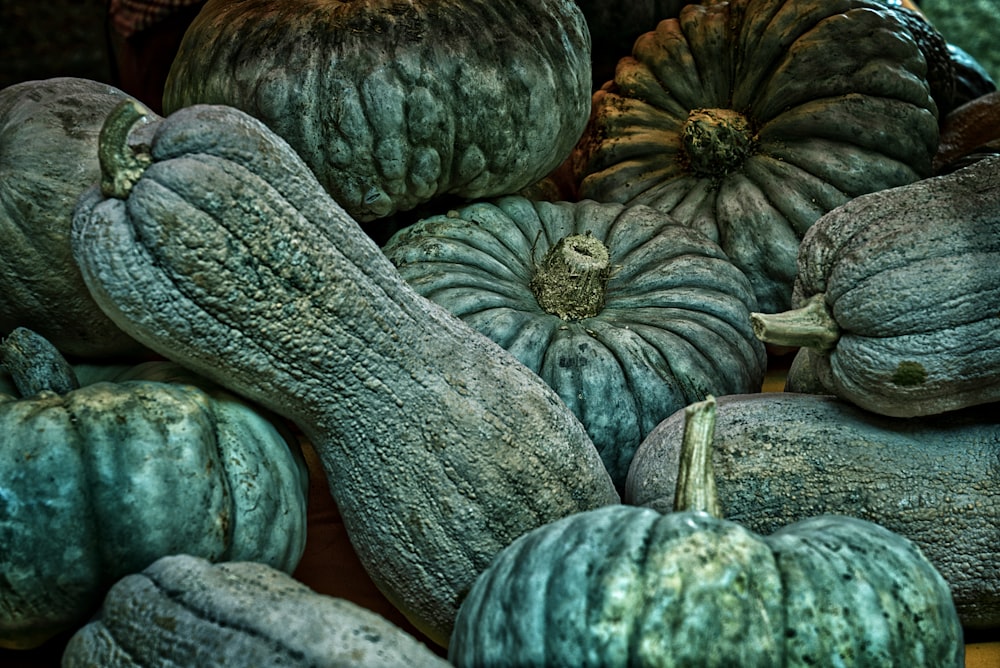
897	295
101	480
186	611
750	119
630	586
627	314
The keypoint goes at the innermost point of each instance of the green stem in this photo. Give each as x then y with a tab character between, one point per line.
573	277
121	164
810	326
35	365
696	489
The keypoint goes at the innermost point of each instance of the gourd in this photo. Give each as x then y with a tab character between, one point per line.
970	132
630	586
223	252
186	611
101	480
782	457
627	314
393	104
896	296
48	156
750	119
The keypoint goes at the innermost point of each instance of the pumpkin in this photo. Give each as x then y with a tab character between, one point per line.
970	132
48	156
392	104
783	457
625	585
187	611
627	314
971	78
103	479
897	296
226	255
750	119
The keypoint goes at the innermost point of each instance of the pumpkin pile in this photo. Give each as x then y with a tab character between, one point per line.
507	303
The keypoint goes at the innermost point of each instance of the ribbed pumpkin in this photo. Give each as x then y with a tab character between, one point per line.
749	119
48	156
630	586
186	611
627	314
897	295
394	103
101	480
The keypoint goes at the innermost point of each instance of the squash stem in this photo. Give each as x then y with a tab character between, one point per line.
810	326
573	277
35	365
121	164
696	489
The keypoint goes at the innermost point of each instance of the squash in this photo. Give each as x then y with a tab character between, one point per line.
226	255
186	611
101	480
392	104
969	133
624	586
897	296
627	314
48	156
782	457
750	119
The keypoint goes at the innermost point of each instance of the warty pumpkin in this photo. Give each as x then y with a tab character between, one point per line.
781	457
897	295
48	156
626	313
100	480
392	104
630	586
227	255
186	611
750	119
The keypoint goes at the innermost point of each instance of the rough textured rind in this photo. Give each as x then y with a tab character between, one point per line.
48	156
783	457
394	103
628	586
910	277
674	326
836	96
186	611
440	447
100	482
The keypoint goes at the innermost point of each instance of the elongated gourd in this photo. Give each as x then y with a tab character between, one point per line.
223	252
781	457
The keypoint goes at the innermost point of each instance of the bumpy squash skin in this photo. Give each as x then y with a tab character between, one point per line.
440	448
674	325
782	457
48	156
186	611
909	276
835	102
628	586
101	481
392	104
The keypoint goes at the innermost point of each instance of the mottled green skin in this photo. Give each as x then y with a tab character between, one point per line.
101	481
782	457
837	101
629	586
440	447
392	104
674	326
910	275
186	611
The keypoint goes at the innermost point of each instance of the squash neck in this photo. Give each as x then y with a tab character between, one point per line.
572	278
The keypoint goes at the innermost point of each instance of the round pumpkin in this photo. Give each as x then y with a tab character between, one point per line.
48	156
392	104
749	119
630	586
627	314
101	480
